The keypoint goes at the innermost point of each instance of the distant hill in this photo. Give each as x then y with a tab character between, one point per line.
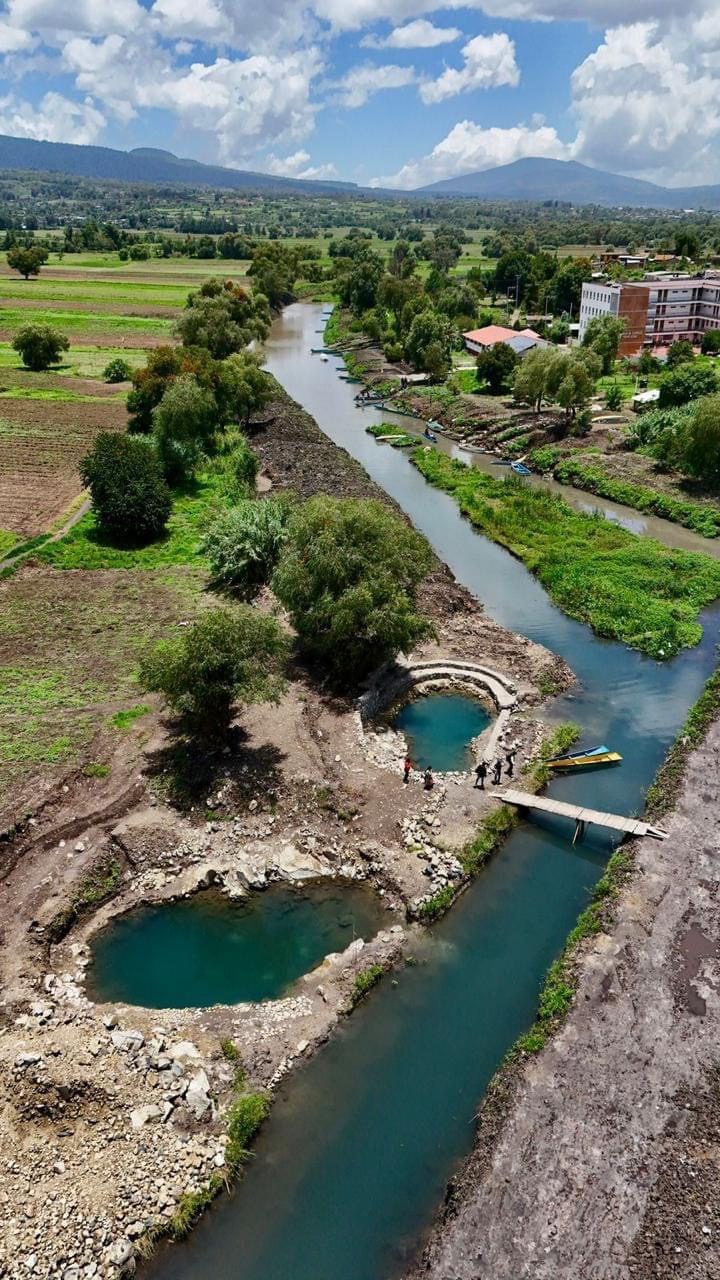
539	179
146	164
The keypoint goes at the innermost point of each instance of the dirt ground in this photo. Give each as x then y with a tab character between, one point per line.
602	1160
41	445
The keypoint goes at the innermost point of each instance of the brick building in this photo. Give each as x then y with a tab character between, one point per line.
657	310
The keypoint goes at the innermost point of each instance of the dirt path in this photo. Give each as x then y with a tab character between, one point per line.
608	1164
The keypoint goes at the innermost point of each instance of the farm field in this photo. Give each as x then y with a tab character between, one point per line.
74	617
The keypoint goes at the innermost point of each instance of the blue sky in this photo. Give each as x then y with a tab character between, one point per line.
391	91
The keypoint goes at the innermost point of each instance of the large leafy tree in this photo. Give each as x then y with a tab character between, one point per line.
348	574
532	374
228	656
603	336
687	382
701	442
39	346
130	498
27	260
185	423
496	366
428	345
223	317
241	387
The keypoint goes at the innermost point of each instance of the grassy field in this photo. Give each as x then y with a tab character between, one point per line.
628	588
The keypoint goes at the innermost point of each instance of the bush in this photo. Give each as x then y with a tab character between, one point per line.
184	422
117	370
680	352
39	346
227	656
130	498
687	382
243	544
701	443
614	397
238	466
711	342
348	575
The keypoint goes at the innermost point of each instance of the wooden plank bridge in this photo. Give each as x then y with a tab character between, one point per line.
582	816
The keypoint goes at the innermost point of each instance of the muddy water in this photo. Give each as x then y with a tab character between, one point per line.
354	1160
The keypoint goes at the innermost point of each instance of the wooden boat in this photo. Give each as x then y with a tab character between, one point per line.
520	469
591	751
598	759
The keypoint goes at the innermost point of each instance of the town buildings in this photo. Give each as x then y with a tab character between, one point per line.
658	310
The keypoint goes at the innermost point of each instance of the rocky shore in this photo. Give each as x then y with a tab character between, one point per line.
113	1116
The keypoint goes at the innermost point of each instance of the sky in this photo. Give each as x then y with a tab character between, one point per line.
379	92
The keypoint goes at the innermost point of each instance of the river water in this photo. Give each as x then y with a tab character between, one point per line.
358	1150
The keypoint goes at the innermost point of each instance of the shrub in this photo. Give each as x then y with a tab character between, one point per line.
130	497
227	656
39	346
680	352
711	342
245	1117
687	382
117	370
243	544
614	397
238	466
701	443
348	575
365	980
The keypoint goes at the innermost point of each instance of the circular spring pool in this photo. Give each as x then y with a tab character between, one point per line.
439	728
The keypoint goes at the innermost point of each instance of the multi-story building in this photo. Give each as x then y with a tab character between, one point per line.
657	310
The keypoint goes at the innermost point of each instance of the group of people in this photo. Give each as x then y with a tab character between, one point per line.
482	768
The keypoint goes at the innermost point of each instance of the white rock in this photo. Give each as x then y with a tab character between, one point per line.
184	1051
198	1095
142	1115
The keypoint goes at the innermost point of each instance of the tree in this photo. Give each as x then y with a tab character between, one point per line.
27	259
531	375
117	370
150	384
496	365
348	575
571	381
711	342
430	335
226	657
130	498
242	388
701	442
680	352
603	335
359	286
687	382
243	544
39	346
184	423
223	317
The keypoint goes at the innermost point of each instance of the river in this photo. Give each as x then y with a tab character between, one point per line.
361	1143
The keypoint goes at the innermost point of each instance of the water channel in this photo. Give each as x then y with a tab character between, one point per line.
358	1150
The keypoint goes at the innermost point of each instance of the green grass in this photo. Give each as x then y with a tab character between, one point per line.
33	704
136	292
79	361
701	517
365	980
56	395
85	547
95	770
625	587
86	321
7	542
437	906
124	719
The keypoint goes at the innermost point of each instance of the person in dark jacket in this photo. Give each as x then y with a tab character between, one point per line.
497	771
481	774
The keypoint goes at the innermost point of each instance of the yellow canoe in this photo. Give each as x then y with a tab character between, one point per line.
568	763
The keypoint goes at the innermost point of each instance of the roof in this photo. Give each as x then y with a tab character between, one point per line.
520	343
493	333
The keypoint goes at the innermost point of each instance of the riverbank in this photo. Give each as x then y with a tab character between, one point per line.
120	1112
599	1155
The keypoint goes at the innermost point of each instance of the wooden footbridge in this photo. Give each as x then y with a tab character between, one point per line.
582	816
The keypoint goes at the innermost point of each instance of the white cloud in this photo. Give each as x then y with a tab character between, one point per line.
360	83
353	15
55	119
420	34
297	166
646	103
55	17
469	147
13	39
488	62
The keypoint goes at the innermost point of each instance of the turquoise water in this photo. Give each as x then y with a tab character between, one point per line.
211	949
439	728
359	1148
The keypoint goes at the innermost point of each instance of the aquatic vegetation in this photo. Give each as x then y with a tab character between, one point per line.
628	588
365	980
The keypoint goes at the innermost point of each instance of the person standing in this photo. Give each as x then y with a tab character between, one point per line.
407	769
497	771
428	780
481	774
510	760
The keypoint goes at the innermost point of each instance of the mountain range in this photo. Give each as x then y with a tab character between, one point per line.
531	179
536	178
145	164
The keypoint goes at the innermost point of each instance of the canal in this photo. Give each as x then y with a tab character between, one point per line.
359	1147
